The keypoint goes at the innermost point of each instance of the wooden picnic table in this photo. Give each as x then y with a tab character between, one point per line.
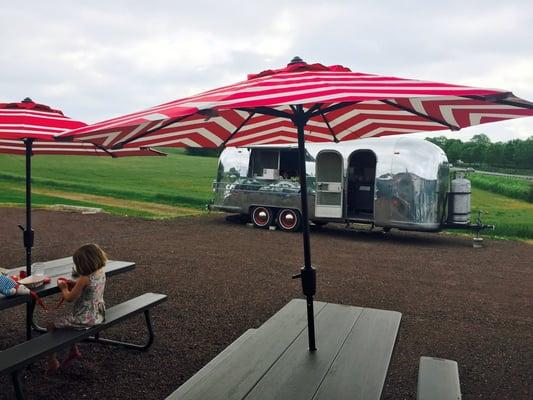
355	346
59	268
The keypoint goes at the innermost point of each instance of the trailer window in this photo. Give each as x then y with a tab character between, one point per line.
264	159
288	164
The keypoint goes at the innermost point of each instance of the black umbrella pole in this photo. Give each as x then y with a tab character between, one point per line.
27	232
308	273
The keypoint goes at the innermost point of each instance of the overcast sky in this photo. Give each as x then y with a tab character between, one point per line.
99	59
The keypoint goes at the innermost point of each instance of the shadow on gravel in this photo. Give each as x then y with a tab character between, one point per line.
363	233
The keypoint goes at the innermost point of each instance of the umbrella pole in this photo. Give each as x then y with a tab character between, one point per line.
28	233
308	273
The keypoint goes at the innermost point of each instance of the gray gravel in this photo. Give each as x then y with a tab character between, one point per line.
222	278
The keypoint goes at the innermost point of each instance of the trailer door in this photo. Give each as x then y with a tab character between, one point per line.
329	178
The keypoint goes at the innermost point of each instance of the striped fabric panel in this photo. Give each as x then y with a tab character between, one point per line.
16	123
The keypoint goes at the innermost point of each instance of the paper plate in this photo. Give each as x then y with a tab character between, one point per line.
32	281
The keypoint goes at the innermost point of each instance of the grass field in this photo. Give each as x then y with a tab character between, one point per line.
513	218
176	185
177	180
516	188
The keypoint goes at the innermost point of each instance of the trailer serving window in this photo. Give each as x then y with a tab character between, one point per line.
274	163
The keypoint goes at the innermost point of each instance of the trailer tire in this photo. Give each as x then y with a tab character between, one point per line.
289	220
261	217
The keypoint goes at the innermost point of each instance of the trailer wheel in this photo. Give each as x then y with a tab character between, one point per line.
289	220
261	217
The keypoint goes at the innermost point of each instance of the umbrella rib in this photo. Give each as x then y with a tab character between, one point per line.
313	109
502	99
238	129
267	111
421	115
103	149
335	107
329	127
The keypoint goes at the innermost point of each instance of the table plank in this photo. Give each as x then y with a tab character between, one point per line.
298	373
360	369
244	367
57	268
220	358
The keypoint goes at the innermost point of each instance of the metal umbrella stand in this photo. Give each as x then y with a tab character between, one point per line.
306	103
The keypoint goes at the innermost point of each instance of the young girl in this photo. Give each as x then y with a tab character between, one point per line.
88	295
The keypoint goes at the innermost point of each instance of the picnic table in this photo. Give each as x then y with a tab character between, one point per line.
14	359
355	346
55	269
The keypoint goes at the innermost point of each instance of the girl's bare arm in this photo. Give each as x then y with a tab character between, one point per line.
71	295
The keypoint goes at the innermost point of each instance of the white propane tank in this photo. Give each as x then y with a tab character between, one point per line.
461	191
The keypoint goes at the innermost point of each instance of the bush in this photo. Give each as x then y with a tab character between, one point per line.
510	187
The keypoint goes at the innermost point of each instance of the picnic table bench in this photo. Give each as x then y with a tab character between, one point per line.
355	346
15	358
438	379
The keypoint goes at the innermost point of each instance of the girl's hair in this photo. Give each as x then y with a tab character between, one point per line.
89	258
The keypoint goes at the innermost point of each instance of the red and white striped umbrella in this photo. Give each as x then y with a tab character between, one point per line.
311	103
27	128
342	105
42	124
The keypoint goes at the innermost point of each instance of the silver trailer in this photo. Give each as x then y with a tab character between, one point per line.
396	182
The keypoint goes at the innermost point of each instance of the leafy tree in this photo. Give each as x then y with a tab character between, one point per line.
495	154
515	154
524	154
454	150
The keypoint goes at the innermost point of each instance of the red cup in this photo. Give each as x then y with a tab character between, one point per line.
22	274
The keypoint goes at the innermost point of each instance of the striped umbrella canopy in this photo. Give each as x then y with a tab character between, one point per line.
307	102
337	105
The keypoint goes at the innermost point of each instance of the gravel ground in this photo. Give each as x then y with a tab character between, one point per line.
222	278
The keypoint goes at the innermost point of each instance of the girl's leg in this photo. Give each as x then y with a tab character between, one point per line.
53	363
73	354
75	351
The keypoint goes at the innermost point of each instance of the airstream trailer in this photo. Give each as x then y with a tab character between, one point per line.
396	182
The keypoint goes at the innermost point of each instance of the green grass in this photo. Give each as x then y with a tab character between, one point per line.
177	180
10	196
510	187
181	180
513	218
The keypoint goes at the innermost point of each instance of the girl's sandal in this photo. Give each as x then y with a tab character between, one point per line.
70	358
52	368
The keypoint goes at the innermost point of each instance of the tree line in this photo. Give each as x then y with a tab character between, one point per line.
514	154
479	151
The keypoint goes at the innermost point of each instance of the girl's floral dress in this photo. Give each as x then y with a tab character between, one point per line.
89	308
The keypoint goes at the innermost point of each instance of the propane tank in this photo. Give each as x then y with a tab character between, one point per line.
460	199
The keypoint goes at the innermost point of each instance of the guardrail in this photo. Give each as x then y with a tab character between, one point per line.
525	177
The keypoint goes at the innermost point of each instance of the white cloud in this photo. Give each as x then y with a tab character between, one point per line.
99	59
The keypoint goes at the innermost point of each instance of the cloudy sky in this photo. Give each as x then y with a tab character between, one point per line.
99	59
